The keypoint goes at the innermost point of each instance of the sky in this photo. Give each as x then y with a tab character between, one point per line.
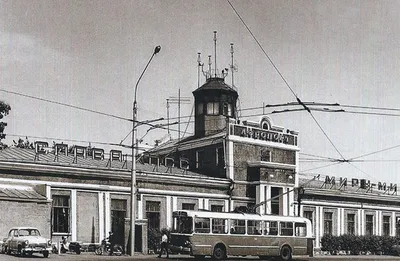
90	54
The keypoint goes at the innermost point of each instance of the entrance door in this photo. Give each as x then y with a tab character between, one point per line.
118	214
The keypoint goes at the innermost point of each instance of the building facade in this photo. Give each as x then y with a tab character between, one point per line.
227	165
337	206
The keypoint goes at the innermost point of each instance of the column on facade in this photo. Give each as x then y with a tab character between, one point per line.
267	194
260	197
362	223
107	214
230	169
378	229
343	224
101	216
291	203
359	230
317	227
393	225
321	221
339	217
139	204
169	211
285	201
73	215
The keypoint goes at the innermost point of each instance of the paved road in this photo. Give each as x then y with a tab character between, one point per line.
92	256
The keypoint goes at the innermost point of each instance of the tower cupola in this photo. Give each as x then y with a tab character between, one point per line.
214	102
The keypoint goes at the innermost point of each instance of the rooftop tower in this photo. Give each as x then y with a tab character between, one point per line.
215	101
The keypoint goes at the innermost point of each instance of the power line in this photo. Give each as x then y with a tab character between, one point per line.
284	80
85	109
66	105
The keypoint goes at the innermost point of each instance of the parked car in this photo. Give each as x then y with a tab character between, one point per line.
395	250
26	241
2	245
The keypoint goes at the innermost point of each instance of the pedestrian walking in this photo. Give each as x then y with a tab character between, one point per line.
164	244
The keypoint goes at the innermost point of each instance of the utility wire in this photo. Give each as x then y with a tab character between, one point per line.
84	109
66	105
284	80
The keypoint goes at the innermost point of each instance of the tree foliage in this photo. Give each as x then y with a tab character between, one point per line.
4	110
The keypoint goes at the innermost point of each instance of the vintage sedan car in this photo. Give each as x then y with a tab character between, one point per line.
26	241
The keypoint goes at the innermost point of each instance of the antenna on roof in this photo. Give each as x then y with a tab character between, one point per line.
215	53
209	65
199	64
232	66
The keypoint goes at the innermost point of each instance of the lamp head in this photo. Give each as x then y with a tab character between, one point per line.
157	49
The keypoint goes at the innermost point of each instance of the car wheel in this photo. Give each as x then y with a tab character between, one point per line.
20	252
46	254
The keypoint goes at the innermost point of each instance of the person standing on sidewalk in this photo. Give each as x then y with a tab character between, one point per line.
164	244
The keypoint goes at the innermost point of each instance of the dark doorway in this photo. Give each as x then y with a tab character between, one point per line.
138	238
118	214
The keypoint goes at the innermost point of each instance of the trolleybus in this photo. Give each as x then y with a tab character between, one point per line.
221	234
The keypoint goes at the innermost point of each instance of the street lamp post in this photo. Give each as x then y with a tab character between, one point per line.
133	171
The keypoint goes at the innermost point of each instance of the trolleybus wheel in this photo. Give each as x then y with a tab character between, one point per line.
219	252
286	253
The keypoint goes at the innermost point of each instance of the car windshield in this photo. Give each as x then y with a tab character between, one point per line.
28	232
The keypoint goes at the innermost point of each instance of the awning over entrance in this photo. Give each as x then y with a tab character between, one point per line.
23	193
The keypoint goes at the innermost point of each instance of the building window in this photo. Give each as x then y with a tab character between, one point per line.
386	225
188	206
153	209
275	202
220	159
200	157
328	228
227	109
369	225
266	155
309	215
213	108
61	214
199	108
351	224
216	208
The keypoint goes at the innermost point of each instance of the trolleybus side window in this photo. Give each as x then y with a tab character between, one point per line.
254	227
300	229
271	228
286	228
202	225
238	226
219	226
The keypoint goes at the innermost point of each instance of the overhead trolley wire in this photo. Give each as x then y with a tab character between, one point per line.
284	80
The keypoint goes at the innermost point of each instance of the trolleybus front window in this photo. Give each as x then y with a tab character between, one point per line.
183	225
